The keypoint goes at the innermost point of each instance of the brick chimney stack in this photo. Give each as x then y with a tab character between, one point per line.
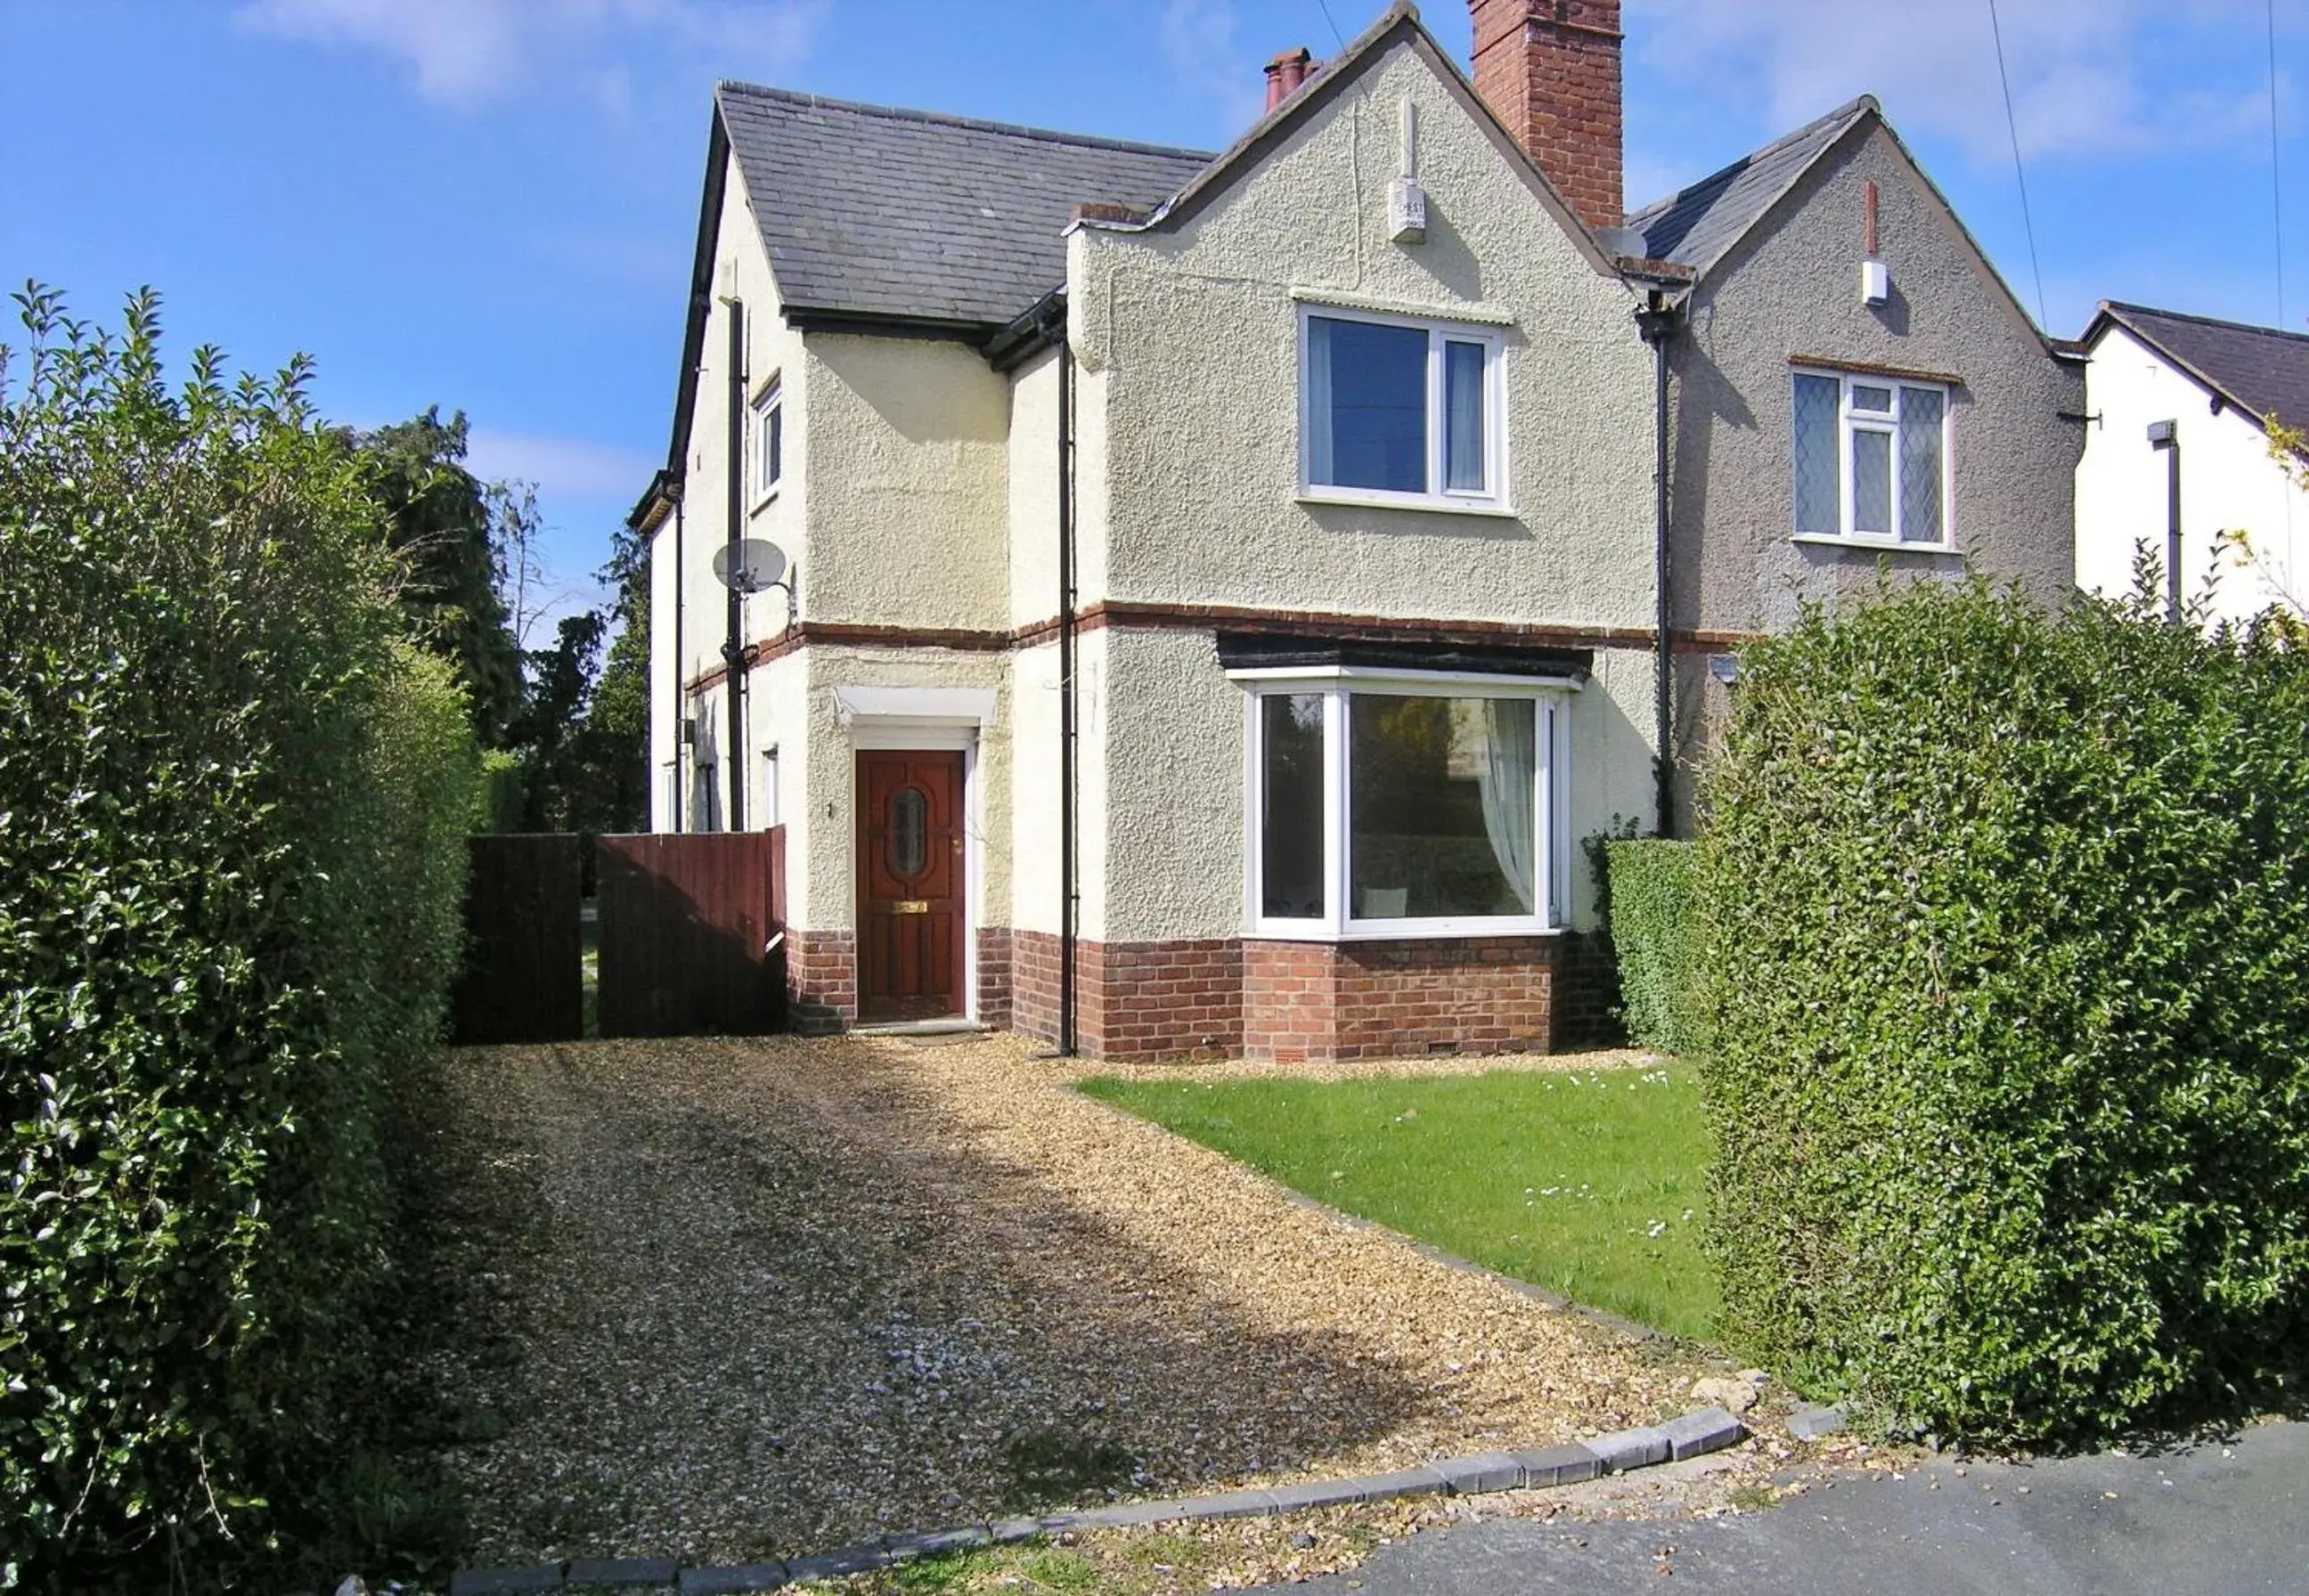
1550	69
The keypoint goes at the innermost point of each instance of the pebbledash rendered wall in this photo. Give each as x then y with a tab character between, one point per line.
1187	336
1791	289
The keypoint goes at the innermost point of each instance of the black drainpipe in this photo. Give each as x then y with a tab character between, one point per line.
680	689
733	650
1067	896
1656	321
2166	436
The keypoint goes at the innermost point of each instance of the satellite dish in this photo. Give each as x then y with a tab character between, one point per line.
749	566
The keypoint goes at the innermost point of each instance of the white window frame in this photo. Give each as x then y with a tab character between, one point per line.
1551	789
1493	498
1848	421
769	402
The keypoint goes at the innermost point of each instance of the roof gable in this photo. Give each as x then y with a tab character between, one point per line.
1705	223
2259	370
873	212
1400	25
1699	226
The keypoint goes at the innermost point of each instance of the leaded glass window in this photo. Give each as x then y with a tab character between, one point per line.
1868	460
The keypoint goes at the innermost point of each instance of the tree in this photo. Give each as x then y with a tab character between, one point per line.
454	534
616	732
548	732
583	728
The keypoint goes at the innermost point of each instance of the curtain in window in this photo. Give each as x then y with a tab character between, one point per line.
1506	779
1922	410
1816	402
1463	416
1318	400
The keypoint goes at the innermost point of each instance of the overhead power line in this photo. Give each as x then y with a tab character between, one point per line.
2276	186
2012	125
1342	38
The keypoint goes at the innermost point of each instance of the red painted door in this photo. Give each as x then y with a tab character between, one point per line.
909	885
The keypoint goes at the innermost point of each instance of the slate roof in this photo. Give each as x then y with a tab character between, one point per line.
2256	370
871	212
1696	226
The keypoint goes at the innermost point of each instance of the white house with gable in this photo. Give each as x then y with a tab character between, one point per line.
2179	400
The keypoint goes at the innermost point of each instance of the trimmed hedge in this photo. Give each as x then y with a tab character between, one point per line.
1654	936
233	798
2007	995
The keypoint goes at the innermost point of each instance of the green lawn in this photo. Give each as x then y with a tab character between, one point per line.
1590	1184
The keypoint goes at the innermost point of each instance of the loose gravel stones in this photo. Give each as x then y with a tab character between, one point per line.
739	1301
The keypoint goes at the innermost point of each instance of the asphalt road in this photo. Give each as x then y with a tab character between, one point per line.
2226	1518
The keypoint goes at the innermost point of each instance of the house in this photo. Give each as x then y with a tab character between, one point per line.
2180	407
1852	389
1220	592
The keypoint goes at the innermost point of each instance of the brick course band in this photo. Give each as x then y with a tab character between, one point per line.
1699	1431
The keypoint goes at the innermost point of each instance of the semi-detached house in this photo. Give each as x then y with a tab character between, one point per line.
1223	591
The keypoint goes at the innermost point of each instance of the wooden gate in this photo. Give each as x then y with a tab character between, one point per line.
523	979
690	930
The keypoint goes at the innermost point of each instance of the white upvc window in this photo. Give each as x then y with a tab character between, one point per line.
766	441
1404	804
1397	410
1871	459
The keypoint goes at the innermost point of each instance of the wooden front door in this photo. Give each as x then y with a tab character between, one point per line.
909	885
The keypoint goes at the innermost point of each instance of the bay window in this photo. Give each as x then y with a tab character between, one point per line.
1870	458
1394	409
1404	804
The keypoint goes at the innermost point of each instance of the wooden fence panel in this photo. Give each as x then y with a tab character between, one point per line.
686	925
523	979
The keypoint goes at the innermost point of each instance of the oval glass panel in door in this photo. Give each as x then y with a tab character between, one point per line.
910	832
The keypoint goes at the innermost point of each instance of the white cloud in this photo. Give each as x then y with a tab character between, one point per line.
561	467
1200	40
2079	68
466	51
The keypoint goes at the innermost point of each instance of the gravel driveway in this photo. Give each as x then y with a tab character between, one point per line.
732	1299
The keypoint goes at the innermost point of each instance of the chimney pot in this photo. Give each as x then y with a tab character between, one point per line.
1550	69
1285	72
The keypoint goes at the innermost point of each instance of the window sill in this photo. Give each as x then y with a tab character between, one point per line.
1316	495
1871	544
1404	931
762	501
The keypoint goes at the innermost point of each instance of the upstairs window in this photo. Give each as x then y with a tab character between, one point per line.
1870	458
1397	410
767	439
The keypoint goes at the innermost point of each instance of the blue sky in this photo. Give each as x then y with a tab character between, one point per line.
489	204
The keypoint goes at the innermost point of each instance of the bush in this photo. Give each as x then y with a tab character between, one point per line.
232	800
2008	1028
498	801
1649	890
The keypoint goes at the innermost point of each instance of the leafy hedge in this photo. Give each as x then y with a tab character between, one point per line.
1653	938
2008	999
232	807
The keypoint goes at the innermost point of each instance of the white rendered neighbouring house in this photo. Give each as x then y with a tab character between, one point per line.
2181	401
1225	590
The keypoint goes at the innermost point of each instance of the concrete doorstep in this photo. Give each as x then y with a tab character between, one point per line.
1701	1430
